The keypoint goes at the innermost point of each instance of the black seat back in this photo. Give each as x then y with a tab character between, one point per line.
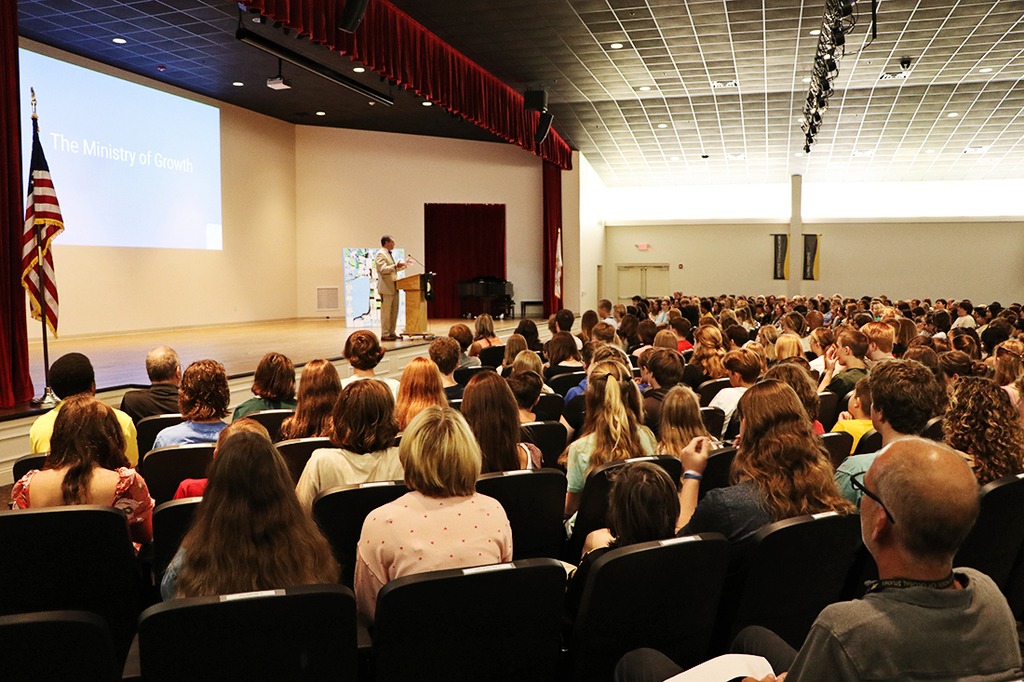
997	539
933	430
549	407
499	622
297	451
561	383
828	409
549	436
340	513
662	595
575	412
716	472
299	633
167	467
71	646
714	420
171	521
593	509
148	428
27	463
839	446
492	356
868	443
271	420
709	389
463	374
75	557
534	502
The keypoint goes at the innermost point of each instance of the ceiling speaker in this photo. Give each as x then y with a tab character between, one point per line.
352	15
535	100
543	128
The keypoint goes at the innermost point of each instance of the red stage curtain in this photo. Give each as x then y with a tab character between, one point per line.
552	225
15	382
462	241
389	42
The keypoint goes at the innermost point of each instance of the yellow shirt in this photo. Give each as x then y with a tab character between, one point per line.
42	429
854	427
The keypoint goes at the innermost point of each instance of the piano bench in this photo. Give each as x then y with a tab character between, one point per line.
523	305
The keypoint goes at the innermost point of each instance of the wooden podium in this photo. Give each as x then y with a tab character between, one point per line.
418	290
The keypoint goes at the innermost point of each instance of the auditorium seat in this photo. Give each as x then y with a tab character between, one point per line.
297	451
298	633
148	427
933	430
870	442
534	502
844	402
561	383
75	557
549	407
463	374
716	472
839	445
165	468
272	420
828	409
784	575
593	509
171	521
70	646
27	463
662	595
549	436
492	356
456	404
576	413
340	513
714	420
497	623
709	389
997	539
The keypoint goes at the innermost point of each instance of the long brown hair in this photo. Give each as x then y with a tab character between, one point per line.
780	454
514	345
249	531
419	387
86	435
319	387
1009	361
982	422
680	420
489	406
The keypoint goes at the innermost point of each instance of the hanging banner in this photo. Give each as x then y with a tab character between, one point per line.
812	254
781	256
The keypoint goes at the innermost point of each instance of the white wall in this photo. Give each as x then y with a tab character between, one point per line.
353	185
591	202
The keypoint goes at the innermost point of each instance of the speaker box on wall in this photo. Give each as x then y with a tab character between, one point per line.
543	127
535	100
352	15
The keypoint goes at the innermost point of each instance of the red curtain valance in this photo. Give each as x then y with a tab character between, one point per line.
391	43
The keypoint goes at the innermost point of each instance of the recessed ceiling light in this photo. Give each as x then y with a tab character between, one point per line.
929	151
987	69
427	104
952	114
806	79
238	84
616	46
645	88
663	125
359	69
863	153
673	158
816	32
321	113
119	41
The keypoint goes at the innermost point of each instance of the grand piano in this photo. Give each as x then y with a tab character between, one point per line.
486	294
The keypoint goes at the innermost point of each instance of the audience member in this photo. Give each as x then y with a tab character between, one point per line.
196	487
787	346
629	339
364	352
364	434
528	361
646	330
563	356
664	369
849	352
319	387
904	395
420	387
682	328
744	368
483	336
564	320
164	371
87	465
982	423
444	352
273	386
965	318
490	409
249	532
799	378
821	338
527	328
70	375
881	337
514	345
587	321
604	311
706	362
681	422
442	522
856	419
767	335
464	336
922	619
781	469
203	397
1009	370
665	339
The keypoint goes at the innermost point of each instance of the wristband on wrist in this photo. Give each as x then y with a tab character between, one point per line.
693	475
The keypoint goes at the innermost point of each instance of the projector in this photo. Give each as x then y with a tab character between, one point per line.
278	83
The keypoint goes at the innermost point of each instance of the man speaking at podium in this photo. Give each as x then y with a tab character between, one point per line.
387	275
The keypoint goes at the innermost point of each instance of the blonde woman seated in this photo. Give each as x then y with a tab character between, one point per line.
249	531
708	355
421	386
513	347
364	432
319	387
483	336
87	465
681	422
364	352
781	470
613	429
528	361
788	346
443	522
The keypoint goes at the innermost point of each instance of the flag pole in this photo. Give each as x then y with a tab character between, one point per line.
48	399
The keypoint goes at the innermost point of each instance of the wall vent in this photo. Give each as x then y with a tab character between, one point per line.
328	298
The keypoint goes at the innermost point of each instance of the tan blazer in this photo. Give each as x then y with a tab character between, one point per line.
387	271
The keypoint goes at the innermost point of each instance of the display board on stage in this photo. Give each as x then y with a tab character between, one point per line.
362	302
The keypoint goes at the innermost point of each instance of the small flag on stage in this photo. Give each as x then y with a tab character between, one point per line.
42	212
558	268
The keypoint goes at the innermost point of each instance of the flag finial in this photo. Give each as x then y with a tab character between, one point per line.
33	91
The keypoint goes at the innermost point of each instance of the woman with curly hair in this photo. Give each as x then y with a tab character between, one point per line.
364	352
801	381
706	363
273	386
1009	370
767	335
421	386
982	423
203	398
781	470
249	531
319	387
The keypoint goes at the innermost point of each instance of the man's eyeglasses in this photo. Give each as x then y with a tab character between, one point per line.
858	484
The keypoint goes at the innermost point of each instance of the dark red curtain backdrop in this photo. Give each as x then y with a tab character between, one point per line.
552	224
461	241
389	42
15	382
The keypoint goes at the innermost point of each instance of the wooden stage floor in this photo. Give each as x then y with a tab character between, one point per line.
119	360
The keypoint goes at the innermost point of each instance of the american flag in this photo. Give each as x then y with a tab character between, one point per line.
42	209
